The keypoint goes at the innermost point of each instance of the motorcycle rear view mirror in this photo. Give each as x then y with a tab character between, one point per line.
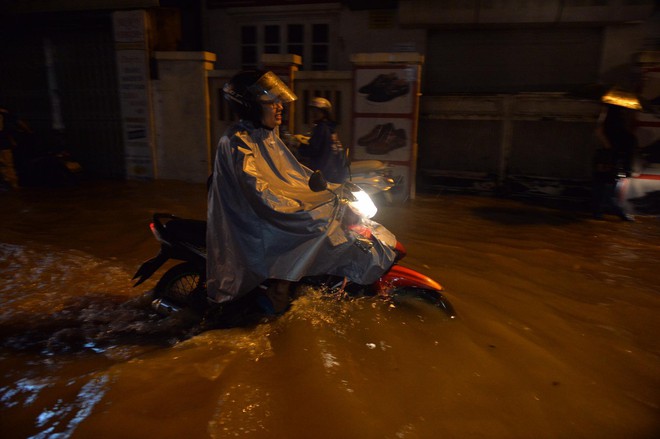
317	182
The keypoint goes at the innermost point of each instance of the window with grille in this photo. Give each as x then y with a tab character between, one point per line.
309	40
296	39
320	47
272	43
249	47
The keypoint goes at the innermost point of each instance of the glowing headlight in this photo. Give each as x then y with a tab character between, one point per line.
363	205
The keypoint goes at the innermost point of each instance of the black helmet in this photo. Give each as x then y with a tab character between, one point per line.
247	90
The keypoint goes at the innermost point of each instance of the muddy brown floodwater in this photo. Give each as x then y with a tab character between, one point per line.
556	335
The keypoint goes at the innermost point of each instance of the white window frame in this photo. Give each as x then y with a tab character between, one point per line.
283	25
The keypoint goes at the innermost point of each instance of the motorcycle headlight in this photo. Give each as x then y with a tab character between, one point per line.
362	205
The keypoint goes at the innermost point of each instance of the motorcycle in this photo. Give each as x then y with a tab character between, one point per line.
183	285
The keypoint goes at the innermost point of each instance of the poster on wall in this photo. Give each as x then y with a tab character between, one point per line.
134	93
382	138
385	112
387	91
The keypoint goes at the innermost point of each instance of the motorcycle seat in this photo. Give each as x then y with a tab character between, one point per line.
187	230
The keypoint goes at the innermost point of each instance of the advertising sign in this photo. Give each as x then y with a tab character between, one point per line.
134	91
385	114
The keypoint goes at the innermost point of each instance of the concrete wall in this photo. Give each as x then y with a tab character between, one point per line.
363	32
620	46
181	105
521	12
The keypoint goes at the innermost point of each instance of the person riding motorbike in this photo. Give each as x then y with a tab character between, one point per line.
324	151
264	222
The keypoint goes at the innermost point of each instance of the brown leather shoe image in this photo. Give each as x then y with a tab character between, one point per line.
395	138
375	133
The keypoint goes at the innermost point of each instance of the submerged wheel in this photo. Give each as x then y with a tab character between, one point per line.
178	283
433	297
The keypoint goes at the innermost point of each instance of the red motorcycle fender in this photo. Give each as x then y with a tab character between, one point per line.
401	277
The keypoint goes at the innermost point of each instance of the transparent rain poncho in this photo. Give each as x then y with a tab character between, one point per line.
265	223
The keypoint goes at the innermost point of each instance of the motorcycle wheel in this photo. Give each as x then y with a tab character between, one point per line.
178	283
433	297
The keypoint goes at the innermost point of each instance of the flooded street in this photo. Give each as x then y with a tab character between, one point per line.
556	334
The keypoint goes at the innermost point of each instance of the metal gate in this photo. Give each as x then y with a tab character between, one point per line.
86	78
58	72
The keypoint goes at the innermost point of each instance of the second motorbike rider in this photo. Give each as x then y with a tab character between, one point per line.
264	222
324	150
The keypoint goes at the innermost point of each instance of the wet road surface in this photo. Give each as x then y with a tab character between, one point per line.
556	335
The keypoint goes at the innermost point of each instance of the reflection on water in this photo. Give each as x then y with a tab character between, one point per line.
556	334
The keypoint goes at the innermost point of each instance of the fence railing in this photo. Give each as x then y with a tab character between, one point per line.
336	86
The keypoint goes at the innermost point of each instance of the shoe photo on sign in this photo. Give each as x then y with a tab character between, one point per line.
394	139
383	138
378	82
377	132
384	88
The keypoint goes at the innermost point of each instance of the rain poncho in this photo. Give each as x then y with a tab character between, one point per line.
265	223
325	152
